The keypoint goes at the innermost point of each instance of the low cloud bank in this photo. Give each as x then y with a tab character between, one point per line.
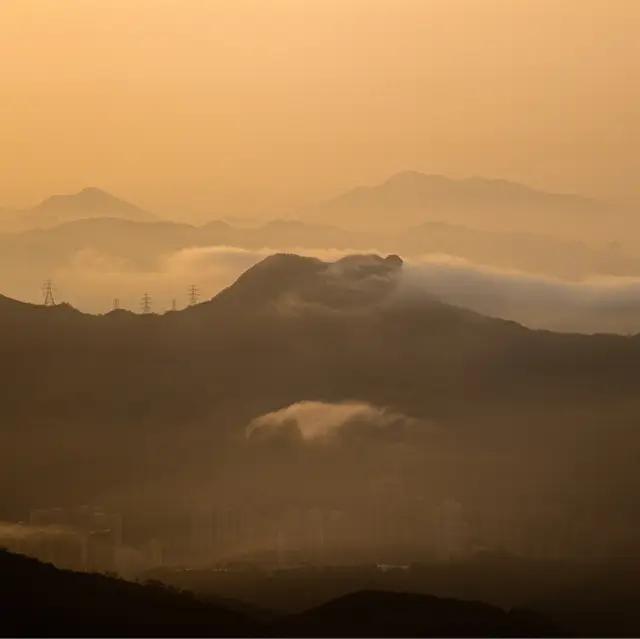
318	421
455	278
608	304
12	531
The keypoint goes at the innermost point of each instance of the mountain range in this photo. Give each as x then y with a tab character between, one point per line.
160	401
405	200
88	203
94	258
411	198
528	252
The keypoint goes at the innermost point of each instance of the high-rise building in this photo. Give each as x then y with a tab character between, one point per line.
452	531
155	553
48	517
385	530
202	535
231	532
316	533
74	532
83	519
281	548
101	551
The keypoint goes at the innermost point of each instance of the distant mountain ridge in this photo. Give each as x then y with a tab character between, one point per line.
404	200
411	198
90	202
44	251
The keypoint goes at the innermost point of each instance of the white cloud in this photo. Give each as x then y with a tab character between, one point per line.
319	420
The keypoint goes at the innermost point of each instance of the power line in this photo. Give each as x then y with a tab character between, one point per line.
47	290
146	304
194	295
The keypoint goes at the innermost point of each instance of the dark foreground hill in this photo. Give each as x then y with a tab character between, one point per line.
38	600
389	614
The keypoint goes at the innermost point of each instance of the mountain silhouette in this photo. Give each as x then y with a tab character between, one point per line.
39	600
411	198
291	283
90	202
387	614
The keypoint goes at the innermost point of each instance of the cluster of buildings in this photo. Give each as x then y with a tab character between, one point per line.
91	539
84	538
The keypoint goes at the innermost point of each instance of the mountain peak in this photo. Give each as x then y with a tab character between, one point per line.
296	284
410	198
90	202
432	182
90	195
411	178
93	191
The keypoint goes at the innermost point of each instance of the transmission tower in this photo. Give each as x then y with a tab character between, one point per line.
174	305
116	304
194	295
47	291
146	304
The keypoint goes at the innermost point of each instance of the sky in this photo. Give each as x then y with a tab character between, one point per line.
198	107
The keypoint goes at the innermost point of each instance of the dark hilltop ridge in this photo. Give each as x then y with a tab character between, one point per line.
395	614
283	282
39	600
293	284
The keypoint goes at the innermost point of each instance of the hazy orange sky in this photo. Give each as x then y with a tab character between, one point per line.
211	103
